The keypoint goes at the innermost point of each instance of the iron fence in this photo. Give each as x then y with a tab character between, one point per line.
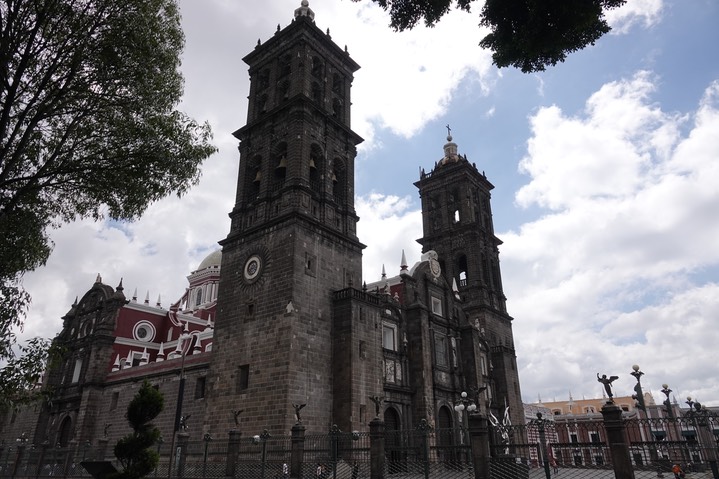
540	449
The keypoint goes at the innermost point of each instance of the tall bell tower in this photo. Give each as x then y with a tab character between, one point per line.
457	224
292	238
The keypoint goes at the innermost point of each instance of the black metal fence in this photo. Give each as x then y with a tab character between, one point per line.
583	448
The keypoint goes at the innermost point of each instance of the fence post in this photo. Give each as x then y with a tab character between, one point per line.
233	449
616	436
479	440
18	459
424	429
182	439
69	457
298	450
102	448
543	455
376	448
41	459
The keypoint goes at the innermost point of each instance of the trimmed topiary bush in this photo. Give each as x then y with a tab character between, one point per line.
135	451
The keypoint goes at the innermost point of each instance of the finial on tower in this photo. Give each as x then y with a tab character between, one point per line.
304	10
449	133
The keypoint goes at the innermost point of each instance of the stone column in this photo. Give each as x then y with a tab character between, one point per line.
479	440
298	450
233	449
617	439
376	448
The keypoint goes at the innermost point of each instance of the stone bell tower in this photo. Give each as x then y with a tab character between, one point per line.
457	224
292	238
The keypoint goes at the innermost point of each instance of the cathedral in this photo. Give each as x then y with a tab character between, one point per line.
281	319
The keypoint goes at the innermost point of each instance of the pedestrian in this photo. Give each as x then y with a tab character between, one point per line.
678	473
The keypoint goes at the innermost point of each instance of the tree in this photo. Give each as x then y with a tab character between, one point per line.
88	125
134	451
527	34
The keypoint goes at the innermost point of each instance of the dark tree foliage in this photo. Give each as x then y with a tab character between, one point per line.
88	125
527	34
135	451
20	378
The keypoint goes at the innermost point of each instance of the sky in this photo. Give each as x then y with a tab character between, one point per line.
605	167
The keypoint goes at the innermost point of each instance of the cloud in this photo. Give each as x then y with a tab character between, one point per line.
387	226
643	12
620	265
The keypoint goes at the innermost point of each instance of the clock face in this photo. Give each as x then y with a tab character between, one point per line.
253	268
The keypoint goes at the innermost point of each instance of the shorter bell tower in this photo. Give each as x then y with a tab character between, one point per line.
457	224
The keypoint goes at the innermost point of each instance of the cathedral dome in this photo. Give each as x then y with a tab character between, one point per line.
213	259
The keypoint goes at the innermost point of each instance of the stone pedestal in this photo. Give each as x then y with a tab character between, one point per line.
298	450
376	448
617	439
233	449
479	440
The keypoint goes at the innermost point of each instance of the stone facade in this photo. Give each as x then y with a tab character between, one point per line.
294	324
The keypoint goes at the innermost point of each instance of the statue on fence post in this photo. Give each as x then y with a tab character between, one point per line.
298	408
607	381
377	400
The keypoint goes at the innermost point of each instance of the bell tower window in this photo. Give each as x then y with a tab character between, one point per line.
315	164
339	180
280	165
317	67
462	270
338	85
337	109
316	92
254	178
283	91
285	65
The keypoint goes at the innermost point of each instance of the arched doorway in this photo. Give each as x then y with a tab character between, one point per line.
393	440
445	434
65	433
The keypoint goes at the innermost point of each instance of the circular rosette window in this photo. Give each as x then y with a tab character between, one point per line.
253	268
144	331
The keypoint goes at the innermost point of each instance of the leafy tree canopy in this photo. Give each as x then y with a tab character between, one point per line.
527	34
88	124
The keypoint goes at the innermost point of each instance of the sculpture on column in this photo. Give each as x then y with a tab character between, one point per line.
607	381
377	400
298	408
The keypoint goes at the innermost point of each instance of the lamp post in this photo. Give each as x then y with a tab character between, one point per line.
703	421
207	438
544	456
180	393
667	401
638	395
464	404
263	439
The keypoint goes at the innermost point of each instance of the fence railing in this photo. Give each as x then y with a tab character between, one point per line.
593	448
